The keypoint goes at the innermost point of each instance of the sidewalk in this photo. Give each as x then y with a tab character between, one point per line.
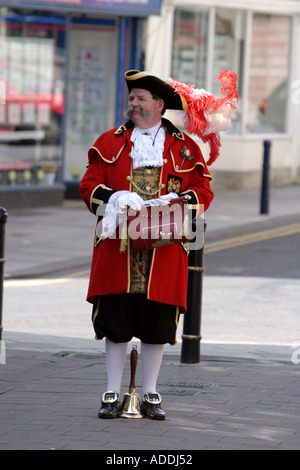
50	401
240	396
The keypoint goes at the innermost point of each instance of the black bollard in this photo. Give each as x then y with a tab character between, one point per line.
3	219
264	202
191	334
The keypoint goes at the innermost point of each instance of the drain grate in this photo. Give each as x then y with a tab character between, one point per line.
184	388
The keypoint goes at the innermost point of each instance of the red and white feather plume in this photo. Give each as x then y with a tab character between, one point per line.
207	116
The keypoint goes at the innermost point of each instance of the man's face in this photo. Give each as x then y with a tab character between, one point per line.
143	110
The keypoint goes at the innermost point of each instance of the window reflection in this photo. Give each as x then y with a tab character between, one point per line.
32	99
268	74
189	61
229	42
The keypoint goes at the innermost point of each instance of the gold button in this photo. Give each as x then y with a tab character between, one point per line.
148	188
165	160
128	178
163	186
148	171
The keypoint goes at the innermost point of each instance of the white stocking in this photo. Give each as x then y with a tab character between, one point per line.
152	355
115	361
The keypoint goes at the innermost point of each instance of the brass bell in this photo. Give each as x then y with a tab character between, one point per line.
131	401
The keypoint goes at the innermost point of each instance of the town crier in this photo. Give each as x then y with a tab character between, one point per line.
141	294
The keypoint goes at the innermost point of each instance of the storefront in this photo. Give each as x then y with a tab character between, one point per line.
260	41
61	85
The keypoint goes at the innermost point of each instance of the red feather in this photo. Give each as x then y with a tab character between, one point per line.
200	101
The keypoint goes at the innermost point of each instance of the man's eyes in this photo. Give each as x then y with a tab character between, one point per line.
139	99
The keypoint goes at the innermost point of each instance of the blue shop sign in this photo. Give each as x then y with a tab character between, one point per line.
116	7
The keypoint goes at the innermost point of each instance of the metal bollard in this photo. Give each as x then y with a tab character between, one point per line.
3	219
264	202
191	335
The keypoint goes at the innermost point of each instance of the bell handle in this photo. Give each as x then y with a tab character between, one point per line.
133	365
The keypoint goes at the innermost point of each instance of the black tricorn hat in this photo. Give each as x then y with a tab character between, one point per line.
147	81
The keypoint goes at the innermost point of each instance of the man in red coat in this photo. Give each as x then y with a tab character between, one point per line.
140	294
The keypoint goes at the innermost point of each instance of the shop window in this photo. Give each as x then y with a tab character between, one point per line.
92	84
32	67
268	74
198	61
190	49
229	42
189	61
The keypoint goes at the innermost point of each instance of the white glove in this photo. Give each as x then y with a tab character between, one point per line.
169	197
129	199
152	202
114	213
162	201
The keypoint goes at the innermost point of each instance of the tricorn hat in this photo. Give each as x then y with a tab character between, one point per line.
205	116
156	86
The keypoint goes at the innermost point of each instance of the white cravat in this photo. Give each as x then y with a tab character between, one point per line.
148	146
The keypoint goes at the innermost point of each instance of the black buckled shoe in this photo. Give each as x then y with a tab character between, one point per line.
110	406
150	406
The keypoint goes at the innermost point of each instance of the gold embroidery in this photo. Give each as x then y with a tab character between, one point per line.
96	311
113	158
96	201
146	183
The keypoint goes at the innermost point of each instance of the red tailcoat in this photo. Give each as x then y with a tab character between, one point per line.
110	170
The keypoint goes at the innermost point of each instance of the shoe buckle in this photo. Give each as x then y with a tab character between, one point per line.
109	397
153	398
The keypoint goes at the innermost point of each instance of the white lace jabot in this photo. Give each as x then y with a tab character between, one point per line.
148	146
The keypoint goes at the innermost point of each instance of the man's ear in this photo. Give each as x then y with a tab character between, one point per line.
160	104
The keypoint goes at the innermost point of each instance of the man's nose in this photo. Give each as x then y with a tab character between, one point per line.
134	102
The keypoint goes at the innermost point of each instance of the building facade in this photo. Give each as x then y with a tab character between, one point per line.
193	40
62	65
